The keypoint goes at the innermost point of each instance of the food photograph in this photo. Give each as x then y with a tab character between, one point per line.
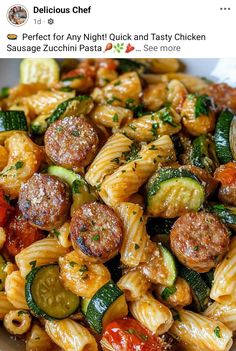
117	204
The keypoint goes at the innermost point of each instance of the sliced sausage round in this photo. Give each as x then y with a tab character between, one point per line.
71	142
96	231
199	240
20	233
45	201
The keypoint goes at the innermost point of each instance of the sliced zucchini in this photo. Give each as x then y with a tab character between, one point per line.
172	192
4	92
226	214
39	71
39	125
170	265
167	292
11	121
208	278
3	274
82	192
79	105
200	290
232	137
222	135
106	305
46	296
84	305
203	154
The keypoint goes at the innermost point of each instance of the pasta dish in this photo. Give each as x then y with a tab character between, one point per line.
117	207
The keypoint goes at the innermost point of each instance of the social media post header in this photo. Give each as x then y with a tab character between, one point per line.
94	28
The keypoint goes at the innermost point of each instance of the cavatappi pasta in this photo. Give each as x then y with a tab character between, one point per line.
110	173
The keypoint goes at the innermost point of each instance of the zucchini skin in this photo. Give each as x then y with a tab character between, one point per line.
200	290
83	100
167	174
203	154
170	264
35	309
221	136
226	214
13	120
100	303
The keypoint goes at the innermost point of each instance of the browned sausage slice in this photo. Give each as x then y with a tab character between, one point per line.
44	201
71	142
199	240
20	233
96	231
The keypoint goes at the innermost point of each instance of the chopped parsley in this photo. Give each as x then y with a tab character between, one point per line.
59	129
166	117
75	133
116	160
203	105
167	292
96	237
33	264
196	248
115	118
83	268
114	98
154	129
132	127
98	187
72	263
133	154
153	147
136	246
56	233
118	82
175	315
22	312
217	332
19	164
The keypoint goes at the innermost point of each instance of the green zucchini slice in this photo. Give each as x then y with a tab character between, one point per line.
82	192
11	121
46	296
222	136
172	192
39	125
226	214
4	92
44	71
170	265
3	274
84	305
203	154
79	105
200	290
106	305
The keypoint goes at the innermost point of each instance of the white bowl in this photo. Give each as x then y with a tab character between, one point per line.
216	69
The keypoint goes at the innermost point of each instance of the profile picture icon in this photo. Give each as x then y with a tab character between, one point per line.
17	15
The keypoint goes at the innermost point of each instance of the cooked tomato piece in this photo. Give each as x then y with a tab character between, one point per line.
20	233
5	209
226	174
80	72
127	334
109	64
